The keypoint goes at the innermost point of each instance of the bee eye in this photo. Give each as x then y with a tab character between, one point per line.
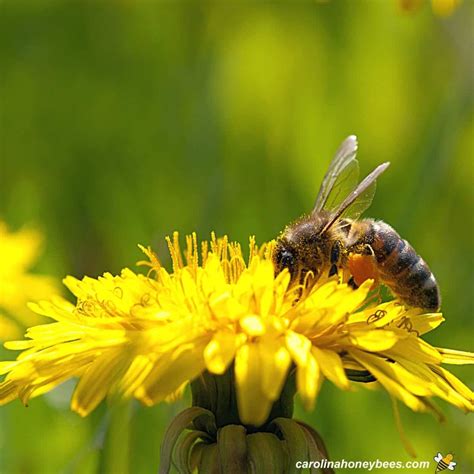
286	259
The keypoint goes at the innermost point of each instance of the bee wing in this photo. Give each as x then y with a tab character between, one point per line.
340	178
438	457
452	465
360	198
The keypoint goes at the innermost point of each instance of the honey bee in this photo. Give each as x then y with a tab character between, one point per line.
331	238
445	462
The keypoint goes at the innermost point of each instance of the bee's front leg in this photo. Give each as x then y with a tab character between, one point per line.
351	282
335	257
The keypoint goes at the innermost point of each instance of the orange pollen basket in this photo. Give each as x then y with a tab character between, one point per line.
362	268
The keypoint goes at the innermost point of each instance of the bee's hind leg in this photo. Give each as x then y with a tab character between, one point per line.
362	249
368	250
361	252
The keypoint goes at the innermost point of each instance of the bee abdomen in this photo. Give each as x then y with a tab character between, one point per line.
441	466
403	270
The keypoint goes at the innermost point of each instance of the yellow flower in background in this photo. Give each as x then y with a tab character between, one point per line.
147	337
440	7
18	252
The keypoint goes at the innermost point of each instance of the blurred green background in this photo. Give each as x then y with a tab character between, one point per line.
123	121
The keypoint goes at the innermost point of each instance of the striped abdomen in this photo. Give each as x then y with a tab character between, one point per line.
441	466
402	269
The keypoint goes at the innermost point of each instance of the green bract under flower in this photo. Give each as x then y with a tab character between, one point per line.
147	337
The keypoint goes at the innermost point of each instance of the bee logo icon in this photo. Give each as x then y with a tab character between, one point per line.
444	462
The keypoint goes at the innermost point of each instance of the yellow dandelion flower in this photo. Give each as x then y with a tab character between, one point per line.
440	7
18	252
147	337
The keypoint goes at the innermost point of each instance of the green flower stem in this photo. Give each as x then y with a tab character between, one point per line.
115	454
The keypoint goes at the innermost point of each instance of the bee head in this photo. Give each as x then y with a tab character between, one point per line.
300	249
285	257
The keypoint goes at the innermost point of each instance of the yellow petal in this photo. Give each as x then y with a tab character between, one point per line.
423	323
137	372
276	361
378	368
460	392
373	341
415	381
413	348
172	370
308	381
224	305
8	391
96	382
451	356
331	367
253	325
263	282
9	329
254	405
298	346
380	316
220	352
